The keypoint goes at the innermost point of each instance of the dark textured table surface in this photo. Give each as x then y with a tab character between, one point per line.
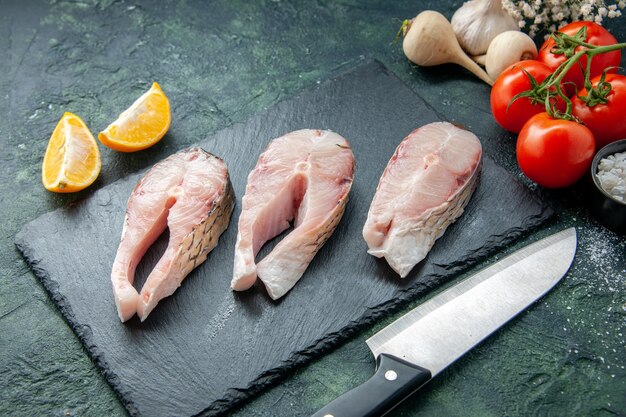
221	63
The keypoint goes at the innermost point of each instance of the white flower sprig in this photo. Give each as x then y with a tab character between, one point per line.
537	15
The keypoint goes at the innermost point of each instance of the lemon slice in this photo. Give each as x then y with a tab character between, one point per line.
140	126
72	160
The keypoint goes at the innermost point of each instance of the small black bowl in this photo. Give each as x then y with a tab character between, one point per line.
609	211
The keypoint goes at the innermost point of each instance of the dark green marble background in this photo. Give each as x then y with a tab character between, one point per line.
219	63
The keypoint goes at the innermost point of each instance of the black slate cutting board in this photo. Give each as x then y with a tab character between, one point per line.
206	348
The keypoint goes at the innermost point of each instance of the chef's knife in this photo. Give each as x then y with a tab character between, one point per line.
422	343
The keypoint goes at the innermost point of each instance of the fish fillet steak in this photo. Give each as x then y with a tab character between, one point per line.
304	177
425	187
189	193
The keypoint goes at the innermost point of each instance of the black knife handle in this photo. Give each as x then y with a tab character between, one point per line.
394	380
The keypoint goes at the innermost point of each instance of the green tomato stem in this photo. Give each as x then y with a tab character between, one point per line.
588	74
552	85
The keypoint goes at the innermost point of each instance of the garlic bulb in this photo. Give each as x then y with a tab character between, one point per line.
506	49
477	22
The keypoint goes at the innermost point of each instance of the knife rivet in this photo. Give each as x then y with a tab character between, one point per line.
391	375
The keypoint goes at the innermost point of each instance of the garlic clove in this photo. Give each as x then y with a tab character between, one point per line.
477	22
429	40
506	49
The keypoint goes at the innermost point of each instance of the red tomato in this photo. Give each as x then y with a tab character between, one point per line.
606	121
511	82
554	152
596	35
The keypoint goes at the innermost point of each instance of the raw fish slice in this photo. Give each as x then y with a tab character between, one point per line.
425	187
190	193
304	177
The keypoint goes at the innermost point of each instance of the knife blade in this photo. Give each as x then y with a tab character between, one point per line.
426	340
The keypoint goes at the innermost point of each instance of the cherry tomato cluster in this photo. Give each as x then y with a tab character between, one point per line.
563	115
